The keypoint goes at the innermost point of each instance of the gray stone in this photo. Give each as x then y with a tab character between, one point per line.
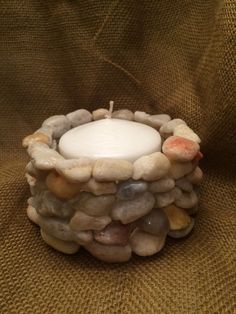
79	117
156	222
162	185
129	189
59	125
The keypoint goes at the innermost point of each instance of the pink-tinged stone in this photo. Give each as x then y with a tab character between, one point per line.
114	234
179	148
196	159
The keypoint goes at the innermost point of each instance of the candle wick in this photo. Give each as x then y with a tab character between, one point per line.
111	103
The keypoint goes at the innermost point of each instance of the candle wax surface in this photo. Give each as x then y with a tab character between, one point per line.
110	138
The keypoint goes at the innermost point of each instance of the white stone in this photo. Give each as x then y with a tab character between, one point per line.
141	116
100	113
157	120
168	128
123	114
185	131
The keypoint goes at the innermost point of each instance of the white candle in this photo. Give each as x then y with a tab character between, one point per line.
110	138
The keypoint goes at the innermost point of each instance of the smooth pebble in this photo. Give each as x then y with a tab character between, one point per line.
141	116
196	176
182	232
180	169
79	117
151	167
123	114
99	188
66	247
162	185
113	234
81	221
156	222
157	120
59	124
168	128
129	211
100	114
187	200
129	189
184	184
178	218
184	131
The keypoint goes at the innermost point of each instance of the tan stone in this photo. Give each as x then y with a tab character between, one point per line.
162	185
32	214
81	221
182	232
184	184
196	176
36	137
100	113
75	170
59	186
157	120
146	244
93	205
113	234
99	188
151	167
141	116
187	200
66	247
178	218
106	169
110	253
180	169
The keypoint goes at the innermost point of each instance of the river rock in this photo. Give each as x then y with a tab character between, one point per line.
41	136
180	169
178	218
129	189
66	247
81	221
180	149
99	188
157	120
32	214
184	184
113	234
184	131
44	158
60	187
34	172
124	114
93	205
192	211
79	117
156	222
187	200
141	116
167	129
106	169
75	170
164	199
146	244
151	167
60	229
59	125
109	253
129	211
100	114
196	176
182	232
162	185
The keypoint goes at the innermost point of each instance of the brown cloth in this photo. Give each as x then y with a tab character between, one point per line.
175	57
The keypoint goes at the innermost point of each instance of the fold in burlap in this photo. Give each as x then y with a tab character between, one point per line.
176	57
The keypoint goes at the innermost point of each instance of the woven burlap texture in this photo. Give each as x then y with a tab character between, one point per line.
175	57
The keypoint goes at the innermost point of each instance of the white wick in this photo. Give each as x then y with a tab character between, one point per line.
111	103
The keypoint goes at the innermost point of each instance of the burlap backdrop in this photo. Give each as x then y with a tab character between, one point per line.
176	57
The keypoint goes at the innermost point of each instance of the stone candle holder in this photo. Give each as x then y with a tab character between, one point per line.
113	208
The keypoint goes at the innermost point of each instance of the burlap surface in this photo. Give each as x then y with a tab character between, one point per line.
176	57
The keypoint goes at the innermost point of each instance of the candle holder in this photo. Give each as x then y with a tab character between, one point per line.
113	207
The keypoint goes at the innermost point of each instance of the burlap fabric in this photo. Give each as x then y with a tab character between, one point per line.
176	57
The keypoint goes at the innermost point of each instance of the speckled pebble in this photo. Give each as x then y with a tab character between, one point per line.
106	169
129	211
110	253
100	114
151	167
156	222
66	247
113	234
59	186
75	170
59	124
187	200
185	131
124	114
162	185
79	117
145	244
129	189
93	205
180	149
81	221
